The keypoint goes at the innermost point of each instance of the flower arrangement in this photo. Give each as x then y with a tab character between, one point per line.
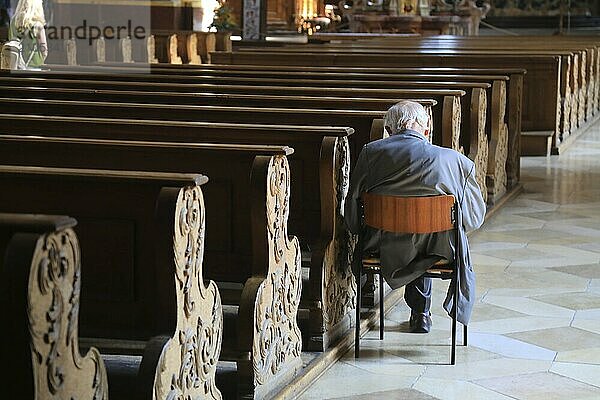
223	20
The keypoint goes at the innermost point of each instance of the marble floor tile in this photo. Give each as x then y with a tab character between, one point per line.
588	314
540	386
573	301
594	286
549	261
400	338
508	347
485	236
380	361
528	306
490	246
590	325
498	367
590	245
529	204
519	324
456	390
554	215
574	241
535	291
518	254
573	229
589	355
584	208
559	339
566	251
514	280
507	223
589	271
346	380
550	278
389	395
586	373
440	354
483	312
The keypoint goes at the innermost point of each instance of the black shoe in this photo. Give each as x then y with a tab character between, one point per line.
420	322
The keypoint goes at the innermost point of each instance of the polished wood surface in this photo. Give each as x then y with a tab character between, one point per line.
409	214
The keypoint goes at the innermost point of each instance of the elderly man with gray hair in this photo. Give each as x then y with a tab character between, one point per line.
407	164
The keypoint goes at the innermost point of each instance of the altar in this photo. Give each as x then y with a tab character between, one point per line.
423	25
433	17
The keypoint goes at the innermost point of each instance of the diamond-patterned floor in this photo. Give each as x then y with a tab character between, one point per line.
535	333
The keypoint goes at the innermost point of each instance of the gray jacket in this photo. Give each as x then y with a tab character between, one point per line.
408	165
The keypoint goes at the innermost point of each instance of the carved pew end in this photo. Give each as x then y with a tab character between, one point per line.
131	375
40	278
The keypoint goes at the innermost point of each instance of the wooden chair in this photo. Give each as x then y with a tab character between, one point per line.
428	214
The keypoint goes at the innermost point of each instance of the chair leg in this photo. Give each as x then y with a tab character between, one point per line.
453	355
454	314
357	323
465	336
381	314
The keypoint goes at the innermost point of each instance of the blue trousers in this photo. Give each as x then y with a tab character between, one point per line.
417	295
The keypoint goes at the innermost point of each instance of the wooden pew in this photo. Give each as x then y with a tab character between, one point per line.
474	107
40	272
190	47
578	74
501	86
208	99
134	198
583	54
321	161
473	90
536	116
448	99
258	291
475	123
587	47
448	118
364	123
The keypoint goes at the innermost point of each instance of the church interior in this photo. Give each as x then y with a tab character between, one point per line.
135	266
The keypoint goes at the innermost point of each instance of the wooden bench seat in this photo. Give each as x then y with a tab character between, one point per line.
476	93
472	119
448	119
238	171
213	99
448	99
40	269
321	161
578	76
577	70
543	78
498	96
152	204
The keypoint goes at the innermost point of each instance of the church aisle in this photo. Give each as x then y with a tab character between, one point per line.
535	332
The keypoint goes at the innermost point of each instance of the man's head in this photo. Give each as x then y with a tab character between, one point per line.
406	115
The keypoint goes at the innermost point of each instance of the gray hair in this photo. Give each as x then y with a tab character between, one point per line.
402	114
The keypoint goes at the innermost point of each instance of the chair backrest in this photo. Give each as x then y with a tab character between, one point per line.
425	214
